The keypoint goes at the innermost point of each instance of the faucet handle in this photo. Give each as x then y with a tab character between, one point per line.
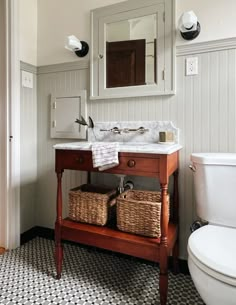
142	129
116	130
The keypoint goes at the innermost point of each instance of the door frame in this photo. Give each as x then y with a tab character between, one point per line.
10	128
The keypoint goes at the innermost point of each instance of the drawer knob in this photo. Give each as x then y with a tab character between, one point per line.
80	160
131	163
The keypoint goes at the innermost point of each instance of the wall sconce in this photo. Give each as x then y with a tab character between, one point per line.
73	44
189	26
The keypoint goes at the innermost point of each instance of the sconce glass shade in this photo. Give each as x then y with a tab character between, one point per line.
73	43
188	21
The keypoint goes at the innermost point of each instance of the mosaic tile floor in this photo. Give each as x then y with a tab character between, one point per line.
90	277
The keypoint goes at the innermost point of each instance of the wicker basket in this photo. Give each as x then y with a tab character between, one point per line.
93	204
139	212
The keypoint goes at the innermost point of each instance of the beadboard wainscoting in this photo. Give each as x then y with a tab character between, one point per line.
204	108
28	151
51	80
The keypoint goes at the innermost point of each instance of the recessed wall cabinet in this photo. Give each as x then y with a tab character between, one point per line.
65	109
133	49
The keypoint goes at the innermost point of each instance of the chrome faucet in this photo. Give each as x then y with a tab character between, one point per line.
117	130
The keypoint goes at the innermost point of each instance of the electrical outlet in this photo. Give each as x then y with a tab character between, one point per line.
191	65
27	79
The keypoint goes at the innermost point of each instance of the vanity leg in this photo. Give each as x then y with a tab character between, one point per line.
59	249
176	198
163	281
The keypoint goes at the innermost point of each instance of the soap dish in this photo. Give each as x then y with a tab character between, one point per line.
166	143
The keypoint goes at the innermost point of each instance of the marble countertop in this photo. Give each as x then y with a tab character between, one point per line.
135	147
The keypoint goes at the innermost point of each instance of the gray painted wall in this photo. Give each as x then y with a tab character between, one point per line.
204	109
28	151
51	83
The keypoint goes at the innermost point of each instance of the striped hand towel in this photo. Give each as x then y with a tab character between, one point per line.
105	155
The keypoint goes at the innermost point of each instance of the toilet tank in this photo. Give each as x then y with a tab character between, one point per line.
215	187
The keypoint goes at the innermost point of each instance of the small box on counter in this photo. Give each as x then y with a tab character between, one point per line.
166	136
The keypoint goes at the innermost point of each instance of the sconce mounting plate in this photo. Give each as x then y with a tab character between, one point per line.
84	51
190	35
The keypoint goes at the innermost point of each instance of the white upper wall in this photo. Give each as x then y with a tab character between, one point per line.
216	17
28	31
59	18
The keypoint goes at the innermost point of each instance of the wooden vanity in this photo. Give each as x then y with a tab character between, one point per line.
160	166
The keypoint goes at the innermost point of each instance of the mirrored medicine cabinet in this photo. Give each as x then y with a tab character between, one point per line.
133	49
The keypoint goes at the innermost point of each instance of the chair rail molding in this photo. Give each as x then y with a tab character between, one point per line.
206	46
63	67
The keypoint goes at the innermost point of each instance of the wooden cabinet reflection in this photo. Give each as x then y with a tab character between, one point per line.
125	63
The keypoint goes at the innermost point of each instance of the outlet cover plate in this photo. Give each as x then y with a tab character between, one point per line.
191	66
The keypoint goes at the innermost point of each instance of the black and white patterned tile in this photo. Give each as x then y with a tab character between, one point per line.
89	277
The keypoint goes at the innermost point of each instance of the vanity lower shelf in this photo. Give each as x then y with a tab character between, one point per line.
115	240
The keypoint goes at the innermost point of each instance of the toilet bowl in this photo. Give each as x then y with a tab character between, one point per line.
212	248
212	264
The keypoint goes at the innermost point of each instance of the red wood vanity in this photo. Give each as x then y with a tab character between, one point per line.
160	166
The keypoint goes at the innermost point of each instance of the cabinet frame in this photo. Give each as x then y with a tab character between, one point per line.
153	249
165	69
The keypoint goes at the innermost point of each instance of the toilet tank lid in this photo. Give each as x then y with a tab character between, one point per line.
215	247
214	158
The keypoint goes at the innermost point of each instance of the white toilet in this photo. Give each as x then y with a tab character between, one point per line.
212	248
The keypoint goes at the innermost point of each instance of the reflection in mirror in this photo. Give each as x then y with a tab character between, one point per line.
131	52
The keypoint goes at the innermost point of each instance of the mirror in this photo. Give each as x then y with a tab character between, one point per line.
131	52
133	49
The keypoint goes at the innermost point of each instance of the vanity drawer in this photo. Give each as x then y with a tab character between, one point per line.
74	159
138	164
82	160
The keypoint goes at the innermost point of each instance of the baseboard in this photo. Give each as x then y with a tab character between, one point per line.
45	233
49	234
183	266
36	232
28	235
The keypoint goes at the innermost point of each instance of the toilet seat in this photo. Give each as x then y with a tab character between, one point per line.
212	248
